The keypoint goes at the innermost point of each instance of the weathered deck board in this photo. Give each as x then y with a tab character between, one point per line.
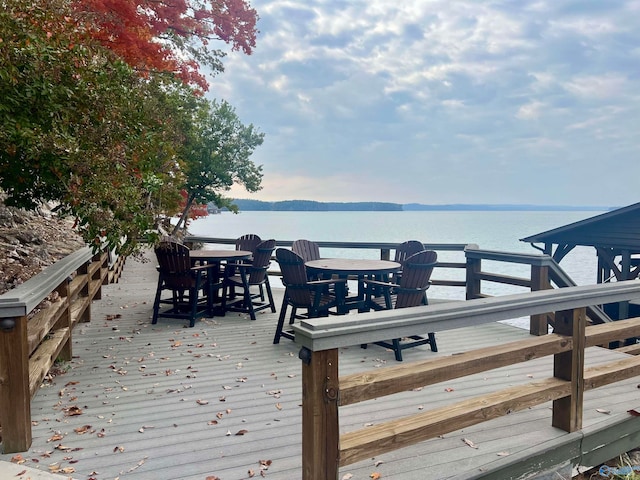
138	386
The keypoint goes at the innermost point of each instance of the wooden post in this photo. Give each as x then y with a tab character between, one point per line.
474	266
84	291
66	354
567	411
320	428
15	398
539	281
385	254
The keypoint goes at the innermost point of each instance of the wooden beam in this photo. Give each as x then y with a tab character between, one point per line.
15	398
567	411
372	441
538	324
320	428
376	383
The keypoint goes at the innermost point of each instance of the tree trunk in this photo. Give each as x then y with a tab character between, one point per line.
185	215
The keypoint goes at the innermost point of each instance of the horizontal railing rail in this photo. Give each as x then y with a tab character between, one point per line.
33	335
544	273
324	391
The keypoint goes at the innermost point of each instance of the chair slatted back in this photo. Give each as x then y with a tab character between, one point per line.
174	264
406	249
415	279
248	242
261	260
294	277
307	249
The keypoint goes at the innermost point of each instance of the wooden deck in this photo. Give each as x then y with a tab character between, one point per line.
167	402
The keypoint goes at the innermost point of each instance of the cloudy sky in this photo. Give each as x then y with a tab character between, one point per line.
443	101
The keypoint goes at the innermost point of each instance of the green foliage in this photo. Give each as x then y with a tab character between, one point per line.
217	155
80	127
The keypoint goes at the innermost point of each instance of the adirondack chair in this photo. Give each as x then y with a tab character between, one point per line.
404	251
191	292
301	292
307	249
246	276
410	292
247	242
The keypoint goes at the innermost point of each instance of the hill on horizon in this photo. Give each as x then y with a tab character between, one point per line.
313	206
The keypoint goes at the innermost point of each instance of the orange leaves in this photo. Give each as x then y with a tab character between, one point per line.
131	30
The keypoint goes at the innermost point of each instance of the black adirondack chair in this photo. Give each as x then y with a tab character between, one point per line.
191	295
410	292
301	293
246	276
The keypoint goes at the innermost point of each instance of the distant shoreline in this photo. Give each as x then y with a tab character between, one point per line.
312	206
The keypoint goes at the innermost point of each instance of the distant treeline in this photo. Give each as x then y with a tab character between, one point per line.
311	206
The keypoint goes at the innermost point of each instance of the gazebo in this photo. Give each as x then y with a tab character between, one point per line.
616	237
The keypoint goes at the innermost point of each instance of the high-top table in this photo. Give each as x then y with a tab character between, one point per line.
346	267
214	276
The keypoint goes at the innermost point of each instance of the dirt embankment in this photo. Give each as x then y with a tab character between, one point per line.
31	241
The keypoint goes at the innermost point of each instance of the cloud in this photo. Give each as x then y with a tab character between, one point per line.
438	101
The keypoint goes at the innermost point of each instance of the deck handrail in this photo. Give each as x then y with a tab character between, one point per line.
32	339
324	391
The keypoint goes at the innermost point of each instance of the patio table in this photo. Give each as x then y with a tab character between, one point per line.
346	267
215	275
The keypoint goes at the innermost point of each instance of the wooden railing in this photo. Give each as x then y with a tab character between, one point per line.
324	449
33	335
384	248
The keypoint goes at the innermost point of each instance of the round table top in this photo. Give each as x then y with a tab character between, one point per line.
218	254
348	266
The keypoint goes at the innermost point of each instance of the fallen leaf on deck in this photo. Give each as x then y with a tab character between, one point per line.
212	477
278	406
21	473
242	432
56	437
19	459
378	463
375	475
469	442
635	413
265	464
503	454
212	422
228	433
602	410
347	476
202	402
82	430
118	449
448	389
251	473
72	411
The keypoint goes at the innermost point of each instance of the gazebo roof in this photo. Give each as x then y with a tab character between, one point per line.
617	229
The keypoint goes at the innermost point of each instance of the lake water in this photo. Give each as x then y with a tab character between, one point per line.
490	230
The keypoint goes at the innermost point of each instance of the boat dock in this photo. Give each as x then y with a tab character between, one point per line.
162	402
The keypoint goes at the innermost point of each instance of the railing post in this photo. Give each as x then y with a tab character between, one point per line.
64	321
385	254
85	291
474	267
15	398
320	428
539	281
567	411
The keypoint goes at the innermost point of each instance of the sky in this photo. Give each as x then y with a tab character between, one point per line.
443	101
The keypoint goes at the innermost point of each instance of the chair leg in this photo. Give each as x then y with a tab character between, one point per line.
432	342
397	349
270	295
156	302
283	314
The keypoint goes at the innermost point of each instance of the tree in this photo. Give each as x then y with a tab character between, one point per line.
216	156
171	35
